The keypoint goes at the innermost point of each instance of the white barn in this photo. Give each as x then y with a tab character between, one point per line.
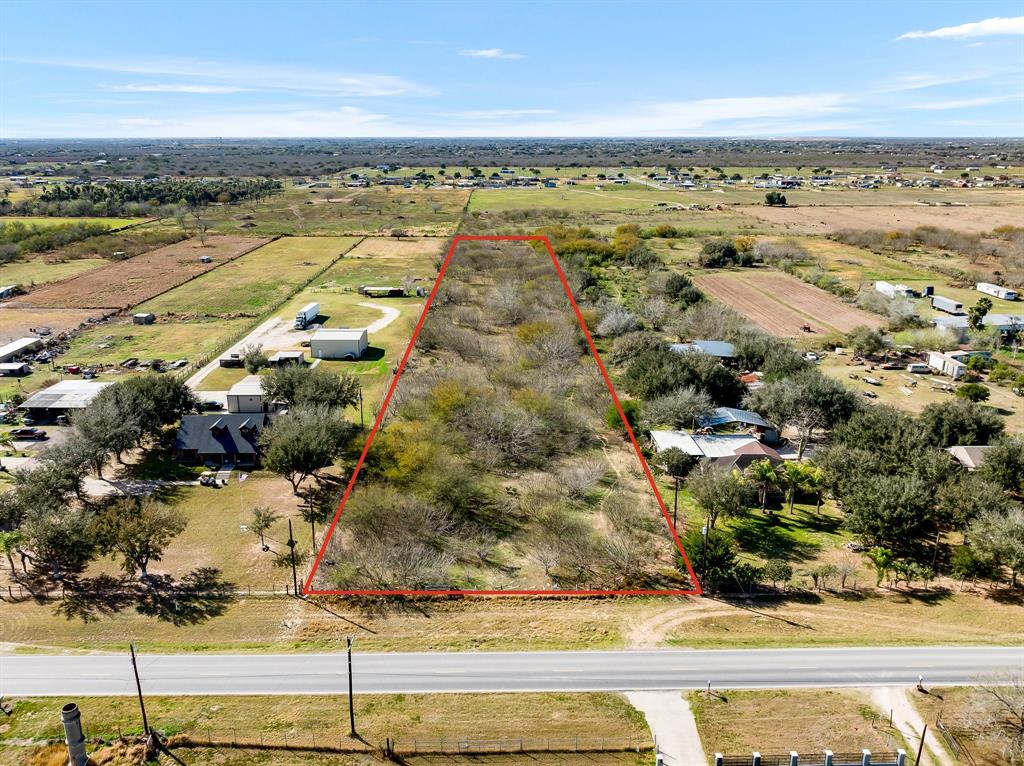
338	344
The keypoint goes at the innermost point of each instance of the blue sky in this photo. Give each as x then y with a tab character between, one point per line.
290	69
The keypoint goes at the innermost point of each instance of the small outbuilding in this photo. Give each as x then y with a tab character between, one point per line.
247	395
20	347
282	358
338	344
970	457
14	369
143	317
717	348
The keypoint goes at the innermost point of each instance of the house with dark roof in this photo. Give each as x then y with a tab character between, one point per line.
221	439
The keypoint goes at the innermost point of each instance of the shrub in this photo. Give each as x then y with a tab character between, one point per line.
974	392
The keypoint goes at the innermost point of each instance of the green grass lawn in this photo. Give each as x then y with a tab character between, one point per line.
50	221
37	271
163	340
248	285
353	211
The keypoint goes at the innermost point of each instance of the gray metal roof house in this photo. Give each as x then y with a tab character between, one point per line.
719	348
220	439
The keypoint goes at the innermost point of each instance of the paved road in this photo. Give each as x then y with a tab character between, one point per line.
495	672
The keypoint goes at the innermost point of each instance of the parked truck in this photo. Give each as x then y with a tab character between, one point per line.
948	305
306	315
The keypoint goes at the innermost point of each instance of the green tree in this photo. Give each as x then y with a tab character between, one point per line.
631	410
998	539
713	557
807	402
883	560
1004	464
960	421
263	518
973	392
976	313
299	386
774	198
253	358
720	494
778	570
304	442
865	341
9	542
139	531
765	476
890	511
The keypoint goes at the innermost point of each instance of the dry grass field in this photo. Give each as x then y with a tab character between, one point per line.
809	721
815	219
413	721
781	304
17	322
127	283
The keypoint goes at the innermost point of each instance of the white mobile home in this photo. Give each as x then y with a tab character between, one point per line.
996	291
338	344
944	364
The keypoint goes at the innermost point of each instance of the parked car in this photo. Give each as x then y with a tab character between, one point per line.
208	479
130	363
28	420
72	369
63	420
29	434
177	364
211	404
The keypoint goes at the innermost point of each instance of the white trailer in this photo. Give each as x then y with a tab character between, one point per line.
946	365
948	305
996	291
893	291
306	315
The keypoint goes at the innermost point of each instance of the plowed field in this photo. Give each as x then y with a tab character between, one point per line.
781	304
127	283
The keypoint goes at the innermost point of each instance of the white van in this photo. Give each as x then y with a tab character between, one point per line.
918	367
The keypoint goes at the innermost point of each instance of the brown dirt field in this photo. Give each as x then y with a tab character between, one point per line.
389	247
127	283
814	219
781	304
16	323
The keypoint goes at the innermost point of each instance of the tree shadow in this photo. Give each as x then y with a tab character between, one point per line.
1013	597
929	597
775	536
198	596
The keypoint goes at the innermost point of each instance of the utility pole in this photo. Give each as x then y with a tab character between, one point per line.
920	748
138	688
291	547
351	703
675	505
362	425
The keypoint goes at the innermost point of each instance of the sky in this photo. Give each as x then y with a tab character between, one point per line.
770	68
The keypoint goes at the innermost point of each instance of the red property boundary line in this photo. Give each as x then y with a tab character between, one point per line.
308	590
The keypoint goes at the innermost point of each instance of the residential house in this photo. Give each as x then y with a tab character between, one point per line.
221	439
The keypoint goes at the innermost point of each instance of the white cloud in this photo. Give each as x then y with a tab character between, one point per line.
965	103
497	114
999	25
252	75
919	81
491	53
176	88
